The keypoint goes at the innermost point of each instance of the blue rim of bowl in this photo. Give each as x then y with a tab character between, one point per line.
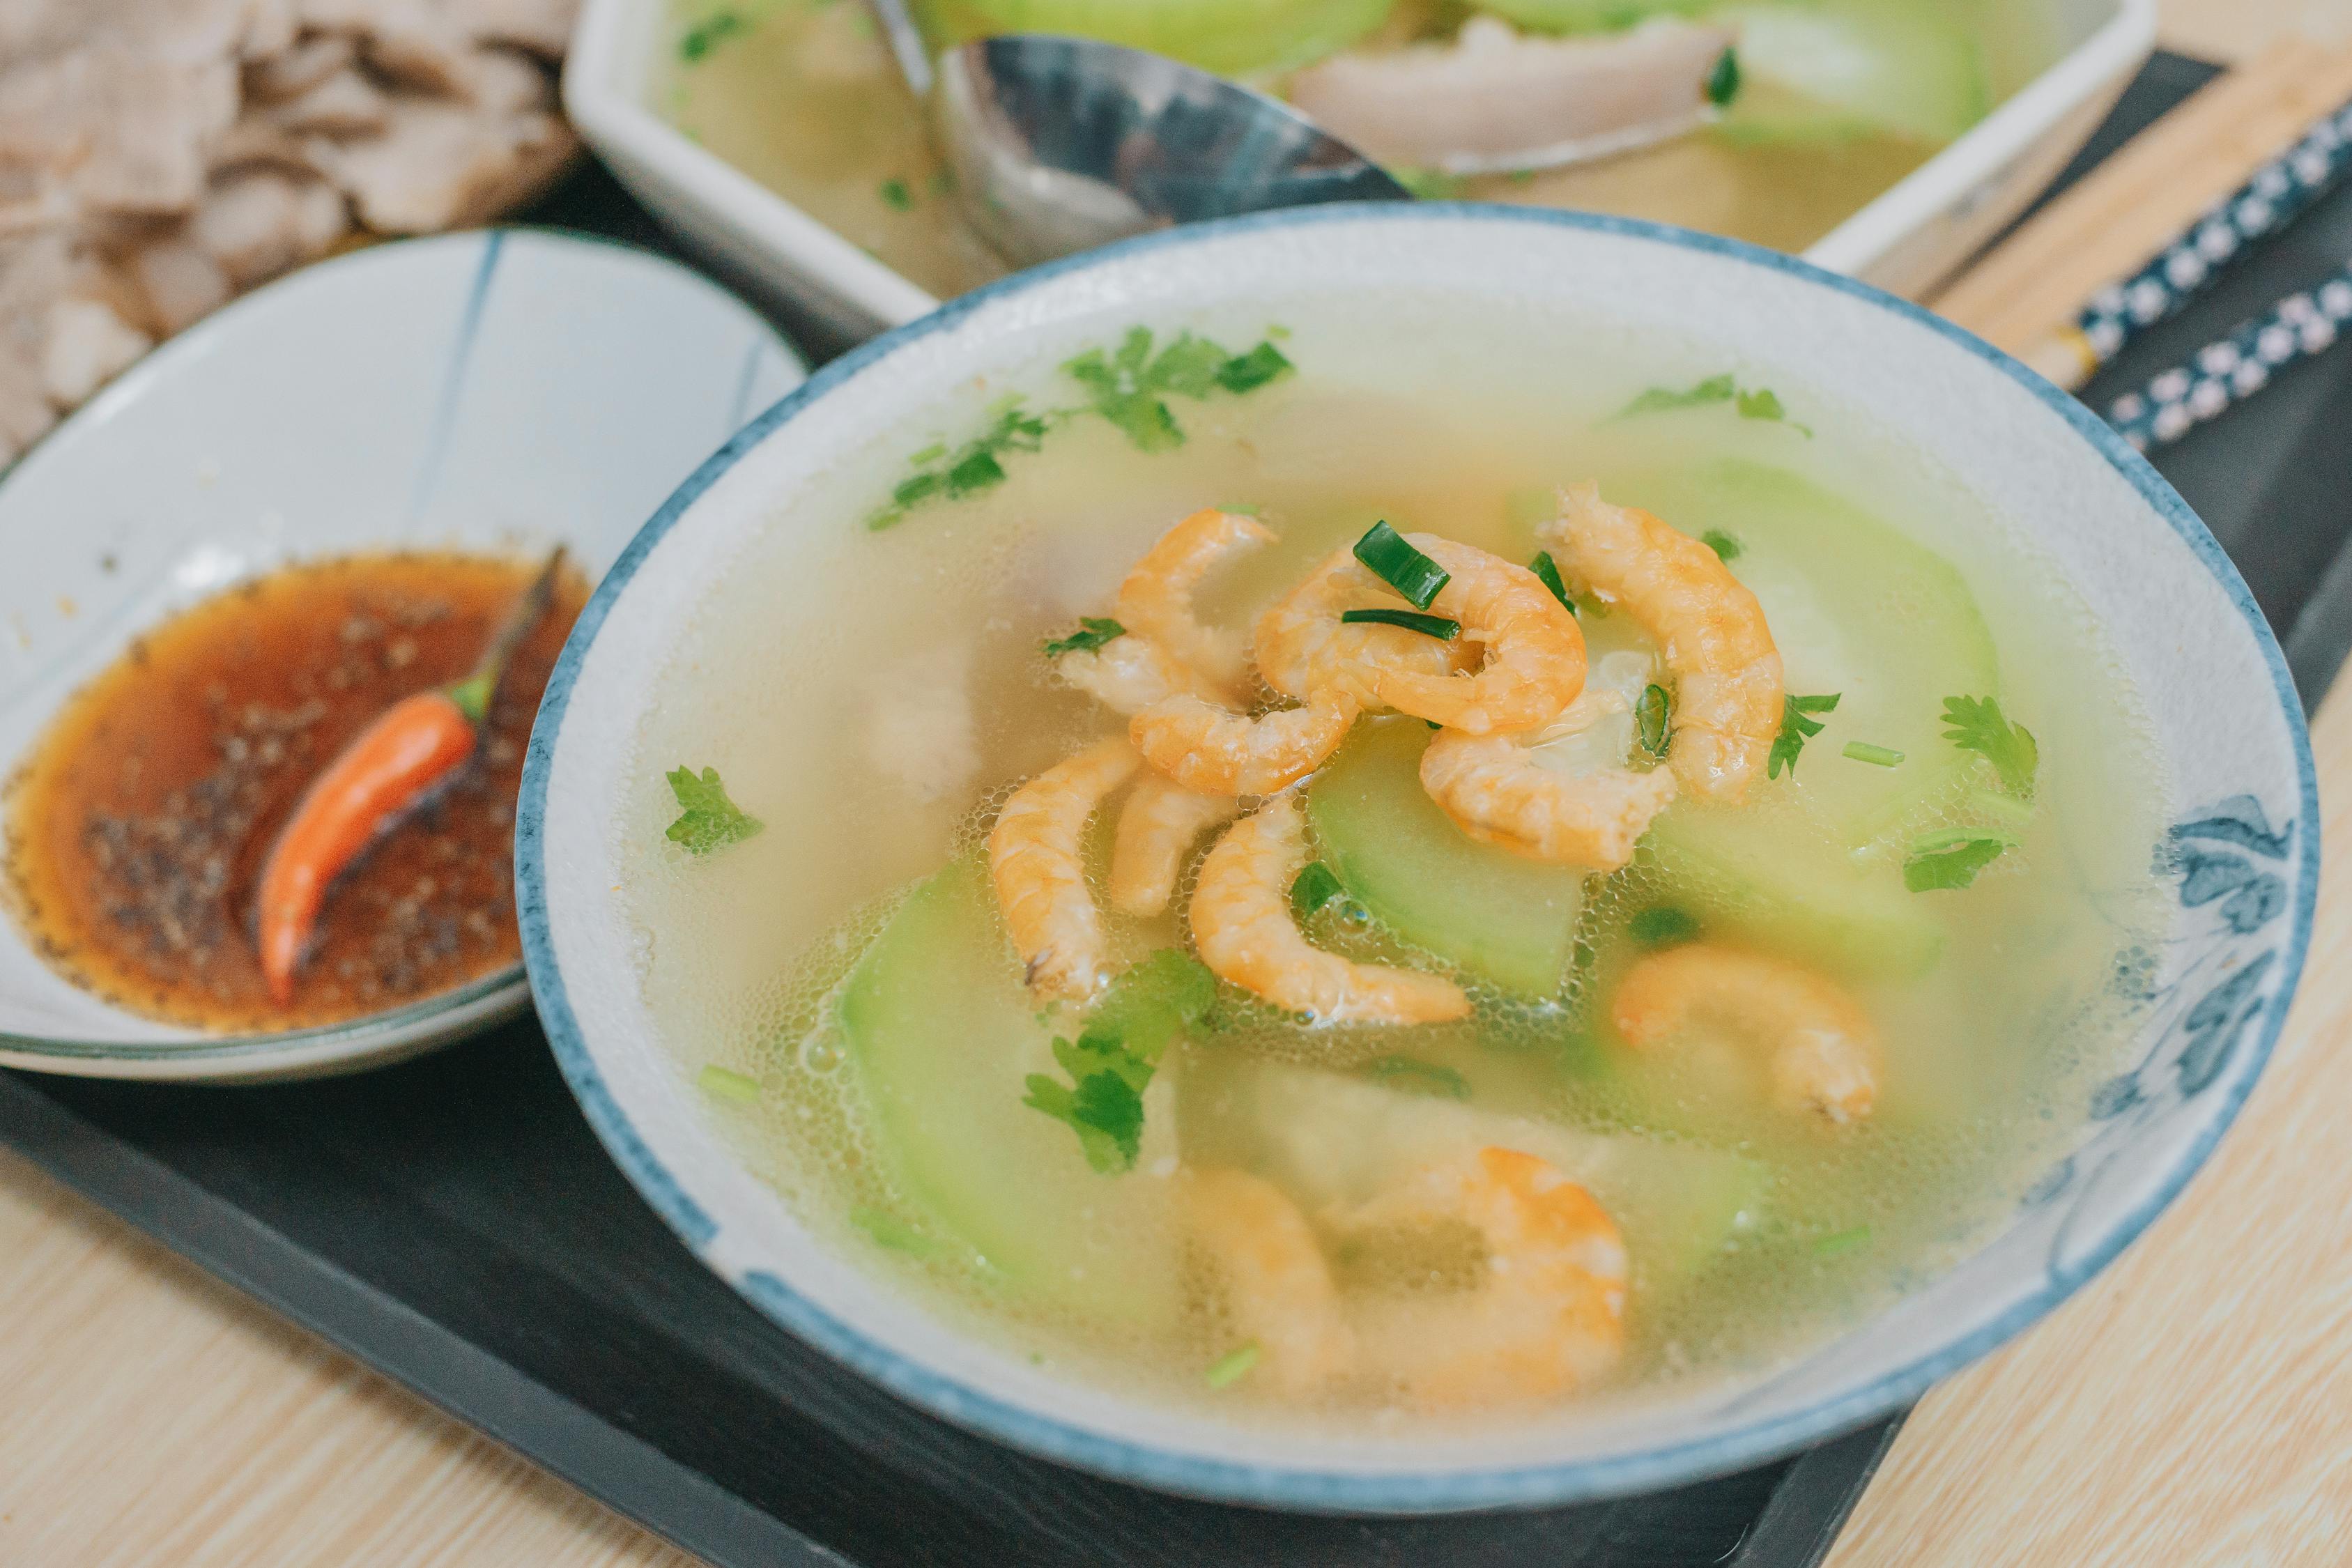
491	997
1372	1492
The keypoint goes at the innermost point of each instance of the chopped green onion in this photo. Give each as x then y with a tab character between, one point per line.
700	39
1092	633
1385	554
726	1083
1231	1366
1662	925
896	195
1316	887
1877	756
1547	571
1654	720
1949	861
1842	1241
1429	1075
1726	547
1436	627
1723	81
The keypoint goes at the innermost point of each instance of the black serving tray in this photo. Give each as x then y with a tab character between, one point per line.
453	1223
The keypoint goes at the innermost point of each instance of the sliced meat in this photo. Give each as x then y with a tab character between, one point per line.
443	166
180	282
88	345
345	103
541	26
278	77
1497	99
258	224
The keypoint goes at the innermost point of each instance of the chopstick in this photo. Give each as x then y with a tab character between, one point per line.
2037	282
2279	192
2229	370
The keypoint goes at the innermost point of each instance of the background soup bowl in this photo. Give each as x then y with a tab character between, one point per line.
2243	852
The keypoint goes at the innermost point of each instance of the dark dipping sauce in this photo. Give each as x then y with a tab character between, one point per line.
137	828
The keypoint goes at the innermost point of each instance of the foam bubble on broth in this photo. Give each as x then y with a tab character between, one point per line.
794	649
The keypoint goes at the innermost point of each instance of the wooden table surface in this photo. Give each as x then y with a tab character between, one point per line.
151	1415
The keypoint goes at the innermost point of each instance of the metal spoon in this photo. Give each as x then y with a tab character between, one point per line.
1061	145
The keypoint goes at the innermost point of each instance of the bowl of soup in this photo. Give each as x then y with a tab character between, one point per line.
1416	858
1888	139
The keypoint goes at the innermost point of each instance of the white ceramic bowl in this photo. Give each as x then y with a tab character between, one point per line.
1910	238
2227	729
496	390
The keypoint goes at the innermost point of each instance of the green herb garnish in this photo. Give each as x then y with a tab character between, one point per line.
1877	756
726	1083
1723	81
1664	399
950	474
708	820
896	195
1547	572
1977	725
1662	925
1842	1241
1797	727
1231	1366
1951	859
1752	403
1386	555
1092	633
1654	718
1130	386
1436	627
708	34
2016	813
1117	1052
1315	887
1428	1076
1248	372
1726	547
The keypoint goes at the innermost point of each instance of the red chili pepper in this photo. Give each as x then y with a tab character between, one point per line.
410	749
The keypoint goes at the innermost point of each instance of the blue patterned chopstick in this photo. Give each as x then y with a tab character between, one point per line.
2276	193
2235	368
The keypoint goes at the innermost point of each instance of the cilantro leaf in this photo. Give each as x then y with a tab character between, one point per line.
945	473
1977	725
1725	546
708	820
1130	386
1106	1110
1314	887
1654	720
1092	633
1427	1076
1951	859
1664	399
1796	728
1113	1059
896	195
1247	372
1751	403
